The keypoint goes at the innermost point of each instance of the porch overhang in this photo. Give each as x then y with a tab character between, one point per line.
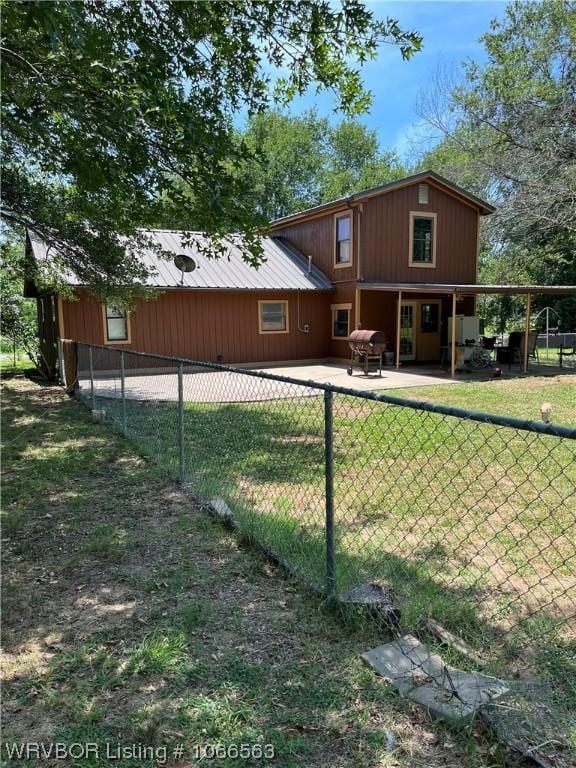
458	290
470	290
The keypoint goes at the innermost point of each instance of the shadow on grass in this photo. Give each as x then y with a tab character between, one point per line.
223	444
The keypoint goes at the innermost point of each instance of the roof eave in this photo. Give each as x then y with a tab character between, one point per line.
484	208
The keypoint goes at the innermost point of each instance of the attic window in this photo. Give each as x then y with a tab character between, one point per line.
423	194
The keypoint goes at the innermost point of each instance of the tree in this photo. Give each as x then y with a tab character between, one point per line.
509	133
116	114
300	161
513	121
288	154
18	317
355	161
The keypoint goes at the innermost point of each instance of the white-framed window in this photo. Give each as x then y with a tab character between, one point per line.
422	251
273	317
423	194
340	320
343	240
116	325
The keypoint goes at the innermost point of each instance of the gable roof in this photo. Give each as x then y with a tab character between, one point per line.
284	267
483	207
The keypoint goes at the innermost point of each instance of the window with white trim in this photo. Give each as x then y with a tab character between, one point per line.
422	239
116	324
273	316
340	320
343	240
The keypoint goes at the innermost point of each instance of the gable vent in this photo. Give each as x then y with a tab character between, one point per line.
423	193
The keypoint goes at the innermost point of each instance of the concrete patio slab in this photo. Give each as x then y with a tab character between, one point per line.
204	386
337	375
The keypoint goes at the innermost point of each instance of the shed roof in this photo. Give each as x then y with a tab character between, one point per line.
284	267
461	289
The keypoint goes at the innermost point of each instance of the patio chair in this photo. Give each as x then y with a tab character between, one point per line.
532	348
514	352
567	351
510	354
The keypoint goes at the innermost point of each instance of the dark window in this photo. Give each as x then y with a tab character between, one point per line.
274	316
343	240
340	322
429	321
116	324
422	241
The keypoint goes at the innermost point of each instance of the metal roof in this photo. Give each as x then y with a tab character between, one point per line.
473	290
484	207
284	268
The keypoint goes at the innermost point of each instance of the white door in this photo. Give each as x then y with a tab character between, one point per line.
408	330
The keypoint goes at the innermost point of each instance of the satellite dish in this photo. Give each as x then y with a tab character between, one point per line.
184	264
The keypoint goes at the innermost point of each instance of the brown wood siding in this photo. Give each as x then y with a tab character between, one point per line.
378	313
206	325
316	238
385	231
345	294
383	226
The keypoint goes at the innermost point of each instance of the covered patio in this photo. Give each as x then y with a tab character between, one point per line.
431	294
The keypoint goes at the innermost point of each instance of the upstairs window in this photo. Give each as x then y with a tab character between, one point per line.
116	325
422	240
343	245
273	316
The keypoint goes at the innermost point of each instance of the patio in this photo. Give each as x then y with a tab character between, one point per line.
231	387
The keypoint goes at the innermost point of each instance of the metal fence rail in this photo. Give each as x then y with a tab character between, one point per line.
462	517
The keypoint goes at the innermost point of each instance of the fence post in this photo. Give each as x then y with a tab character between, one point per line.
92	393
123	391
180	424
329	477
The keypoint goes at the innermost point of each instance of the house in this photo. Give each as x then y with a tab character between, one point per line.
376	259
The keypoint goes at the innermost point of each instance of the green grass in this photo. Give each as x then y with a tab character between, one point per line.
107	541
521	398
23	364
453	515
187	638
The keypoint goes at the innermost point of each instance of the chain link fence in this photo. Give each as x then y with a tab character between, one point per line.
454	526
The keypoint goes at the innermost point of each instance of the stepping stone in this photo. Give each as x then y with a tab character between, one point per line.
423	677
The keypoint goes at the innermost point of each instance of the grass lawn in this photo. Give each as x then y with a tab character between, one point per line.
470	524
23	364
521	398
130	617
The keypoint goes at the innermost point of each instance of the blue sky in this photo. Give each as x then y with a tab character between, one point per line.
450	29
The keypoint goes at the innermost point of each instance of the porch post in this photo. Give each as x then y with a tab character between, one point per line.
527	332
398	330
453	339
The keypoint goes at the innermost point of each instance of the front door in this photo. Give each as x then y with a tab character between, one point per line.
408	330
